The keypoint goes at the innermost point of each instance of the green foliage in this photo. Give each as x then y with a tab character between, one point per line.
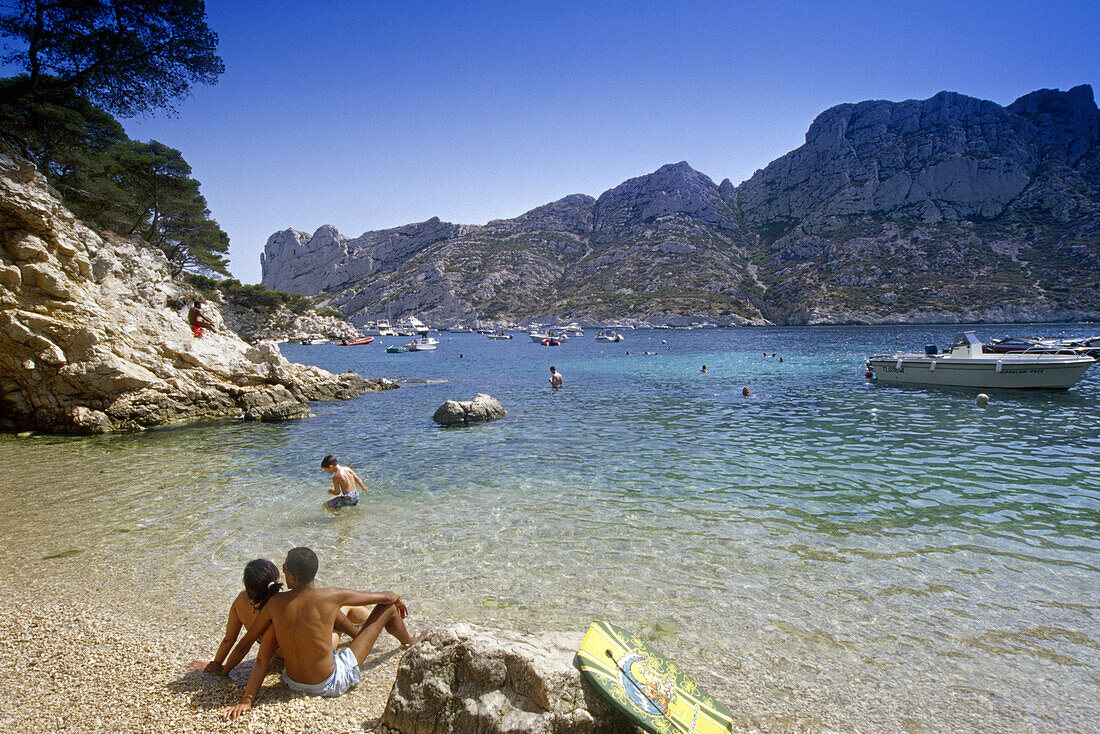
112	182
775	229
254	297
163	205
128	56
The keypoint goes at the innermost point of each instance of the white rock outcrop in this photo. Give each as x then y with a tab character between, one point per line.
471	680
89	343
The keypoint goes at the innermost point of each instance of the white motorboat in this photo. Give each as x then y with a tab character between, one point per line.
379	328
500	335
966	364
568	330
538	337
609	336
424	344
314	340
412	326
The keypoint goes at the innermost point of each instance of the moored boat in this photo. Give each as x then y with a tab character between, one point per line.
425	344
395	349
1089	347
967	364
360	342
541	337
609	336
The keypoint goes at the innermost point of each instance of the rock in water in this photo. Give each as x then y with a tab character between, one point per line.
89	343
481	409
468	679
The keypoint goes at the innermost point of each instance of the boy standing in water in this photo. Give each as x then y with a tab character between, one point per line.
343	484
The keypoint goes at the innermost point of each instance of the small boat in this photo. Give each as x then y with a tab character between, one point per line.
550	342
427	344
380	328
1089	347
610	336
540	337
500	335
360	342
314	341
413	326
570	330
395	349
967	364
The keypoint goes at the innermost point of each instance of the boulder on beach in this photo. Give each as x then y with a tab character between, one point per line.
481	409
466	679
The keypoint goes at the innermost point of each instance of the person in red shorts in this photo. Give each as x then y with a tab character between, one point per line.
198	321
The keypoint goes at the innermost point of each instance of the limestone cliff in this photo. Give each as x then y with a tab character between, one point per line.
939	210
89	342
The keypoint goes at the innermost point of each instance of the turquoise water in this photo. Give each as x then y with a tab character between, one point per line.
823	553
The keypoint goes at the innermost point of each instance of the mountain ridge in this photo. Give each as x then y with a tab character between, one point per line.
940	210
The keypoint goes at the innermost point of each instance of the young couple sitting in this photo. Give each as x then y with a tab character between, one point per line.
304	623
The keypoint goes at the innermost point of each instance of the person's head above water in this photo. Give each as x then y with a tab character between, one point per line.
300	562
329	462
261	582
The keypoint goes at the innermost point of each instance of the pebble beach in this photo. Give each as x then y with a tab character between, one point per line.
78	659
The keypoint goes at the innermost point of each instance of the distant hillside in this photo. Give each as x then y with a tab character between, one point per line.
942	210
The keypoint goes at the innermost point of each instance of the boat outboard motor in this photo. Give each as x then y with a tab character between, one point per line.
929	350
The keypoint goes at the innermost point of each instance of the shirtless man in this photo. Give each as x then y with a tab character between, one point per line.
344	480
197	321
303	618
555	378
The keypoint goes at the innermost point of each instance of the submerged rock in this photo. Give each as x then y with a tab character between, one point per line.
91	341
471	679
481	409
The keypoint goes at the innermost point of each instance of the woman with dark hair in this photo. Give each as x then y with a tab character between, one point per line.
261	582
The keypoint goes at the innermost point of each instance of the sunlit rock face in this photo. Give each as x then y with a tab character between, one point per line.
93	336
950	156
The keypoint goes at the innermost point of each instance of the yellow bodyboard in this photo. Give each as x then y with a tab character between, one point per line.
650	690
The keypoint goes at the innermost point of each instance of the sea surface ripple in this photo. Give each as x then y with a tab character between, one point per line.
828	552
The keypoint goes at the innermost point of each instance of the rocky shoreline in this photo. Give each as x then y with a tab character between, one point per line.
94	336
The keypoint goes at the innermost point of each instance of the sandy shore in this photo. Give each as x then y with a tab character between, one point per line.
82	664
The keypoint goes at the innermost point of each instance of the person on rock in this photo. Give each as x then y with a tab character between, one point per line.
303	619
198	321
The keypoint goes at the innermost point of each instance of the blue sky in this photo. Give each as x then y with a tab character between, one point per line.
372	115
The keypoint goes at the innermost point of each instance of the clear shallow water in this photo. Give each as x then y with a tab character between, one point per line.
824	553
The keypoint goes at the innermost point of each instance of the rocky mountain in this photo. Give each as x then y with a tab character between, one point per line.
940	210
91	338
